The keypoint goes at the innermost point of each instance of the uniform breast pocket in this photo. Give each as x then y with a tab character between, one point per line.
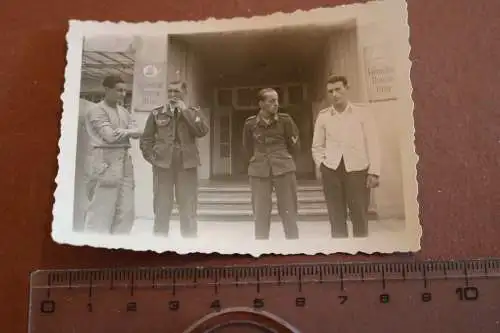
162	121
160	149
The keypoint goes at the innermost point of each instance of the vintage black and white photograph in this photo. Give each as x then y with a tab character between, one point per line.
287	133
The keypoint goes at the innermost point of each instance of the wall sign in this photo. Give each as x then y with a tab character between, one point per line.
150	84
380	73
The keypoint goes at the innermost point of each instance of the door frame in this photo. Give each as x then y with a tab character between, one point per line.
236	106
215	142
247	113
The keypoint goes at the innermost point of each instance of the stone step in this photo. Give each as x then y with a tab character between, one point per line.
247	211
231	202
245	188
175	219
244	218
233	194
230	206
232	215
228	199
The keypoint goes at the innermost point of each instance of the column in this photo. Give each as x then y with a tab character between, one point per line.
149	90
378	67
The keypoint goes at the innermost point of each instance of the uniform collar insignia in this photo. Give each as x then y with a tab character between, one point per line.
158	110
163	109
262	121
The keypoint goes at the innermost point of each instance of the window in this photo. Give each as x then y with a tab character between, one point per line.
224	136
281	96
92	97
247	97
225	97
96	97
295	95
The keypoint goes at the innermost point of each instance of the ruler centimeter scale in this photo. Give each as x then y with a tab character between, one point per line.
442	296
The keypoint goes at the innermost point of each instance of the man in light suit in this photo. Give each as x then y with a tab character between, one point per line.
346	148
110	182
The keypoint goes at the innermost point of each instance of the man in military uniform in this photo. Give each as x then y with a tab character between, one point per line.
271	141
169	144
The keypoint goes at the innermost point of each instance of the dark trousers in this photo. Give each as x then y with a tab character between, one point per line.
184	184
344	190
286	193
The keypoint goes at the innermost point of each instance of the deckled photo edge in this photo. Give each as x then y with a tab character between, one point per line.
63	206
408	147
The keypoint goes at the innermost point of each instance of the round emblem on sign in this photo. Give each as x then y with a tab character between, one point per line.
150	71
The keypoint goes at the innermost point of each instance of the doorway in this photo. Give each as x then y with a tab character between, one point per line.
239	164
302	116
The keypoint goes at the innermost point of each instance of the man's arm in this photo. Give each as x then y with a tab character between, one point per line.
147	139
97	118
292	136
198	125
318	143
247	141
133	130
372	142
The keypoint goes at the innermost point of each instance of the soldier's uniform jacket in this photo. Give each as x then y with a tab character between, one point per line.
271	148
159	137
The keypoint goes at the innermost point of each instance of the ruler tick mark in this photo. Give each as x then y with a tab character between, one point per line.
90	287
300	280
49	284
258	282
216	285
424	273
466	275
341	279
132	286
174	282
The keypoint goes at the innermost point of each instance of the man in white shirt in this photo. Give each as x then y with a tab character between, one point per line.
110	181
346	149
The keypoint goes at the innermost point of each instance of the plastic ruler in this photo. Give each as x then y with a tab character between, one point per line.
437	296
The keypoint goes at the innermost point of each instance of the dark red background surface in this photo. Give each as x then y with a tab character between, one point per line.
456	80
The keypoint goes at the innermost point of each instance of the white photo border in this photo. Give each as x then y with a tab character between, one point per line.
62	224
